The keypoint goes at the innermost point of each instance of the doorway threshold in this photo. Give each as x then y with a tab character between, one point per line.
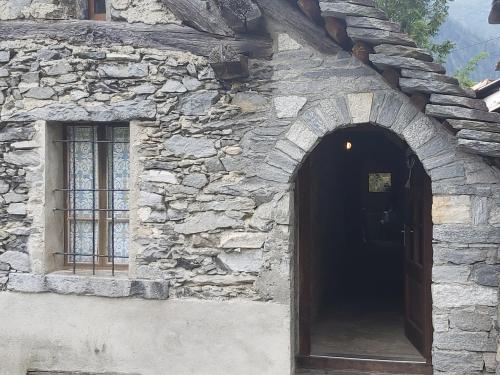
337	372
367	365
364	328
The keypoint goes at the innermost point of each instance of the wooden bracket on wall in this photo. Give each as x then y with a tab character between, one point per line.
228	64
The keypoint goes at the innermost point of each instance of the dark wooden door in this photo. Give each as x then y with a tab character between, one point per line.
418	260
303	219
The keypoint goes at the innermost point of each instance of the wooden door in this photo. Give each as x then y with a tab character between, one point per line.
303	219
418	260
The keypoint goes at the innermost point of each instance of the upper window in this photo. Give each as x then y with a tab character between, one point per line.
96	196
97	10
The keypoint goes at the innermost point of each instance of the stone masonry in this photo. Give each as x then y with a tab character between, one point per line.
213	165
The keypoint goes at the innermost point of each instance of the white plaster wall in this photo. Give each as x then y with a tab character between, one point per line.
178	337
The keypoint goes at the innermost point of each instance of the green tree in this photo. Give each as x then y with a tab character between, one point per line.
422	20
464	75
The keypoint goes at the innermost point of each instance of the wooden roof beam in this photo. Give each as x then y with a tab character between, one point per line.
173	37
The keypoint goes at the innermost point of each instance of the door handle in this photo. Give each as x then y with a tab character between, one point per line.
404	235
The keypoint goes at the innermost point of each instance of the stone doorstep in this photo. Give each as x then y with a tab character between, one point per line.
336	372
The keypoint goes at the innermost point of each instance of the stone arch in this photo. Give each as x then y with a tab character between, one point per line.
459	180
387	109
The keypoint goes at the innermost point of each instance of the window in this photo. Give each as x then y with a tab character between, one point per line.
379	182
97	10
96	194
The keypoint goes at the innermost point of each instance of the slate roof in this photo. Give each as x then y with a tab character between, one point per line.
380	43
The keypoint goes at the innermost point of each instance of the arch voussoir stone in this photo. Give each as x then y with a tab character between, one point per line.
418	132
389	110
302	135
378	101
337	110
440	144
317	121
360	107
406	114
291	149
282	161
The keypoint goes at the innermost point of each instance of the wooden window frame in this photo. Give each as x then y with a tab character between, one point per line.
102	219
92	14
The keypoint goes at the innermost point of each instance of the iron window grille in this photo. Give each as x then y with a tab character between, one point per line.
96	194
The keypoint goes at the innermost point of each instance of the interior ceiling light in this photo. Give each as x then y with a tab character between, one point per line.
348	145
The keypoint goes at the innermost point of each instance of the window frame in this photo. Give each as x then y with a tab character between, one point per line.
101	184
96	16
380	173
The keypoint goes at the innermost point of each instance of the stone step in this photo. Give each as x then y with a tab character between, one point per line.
336	372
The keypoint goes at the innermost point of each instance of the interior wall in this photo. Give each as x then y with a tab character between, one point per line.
326	210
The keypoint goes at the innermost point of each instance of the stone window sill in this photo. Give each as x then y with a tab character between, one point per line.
65	282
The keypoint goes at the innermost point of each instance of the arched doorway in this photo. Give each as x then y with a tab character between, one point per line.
363	202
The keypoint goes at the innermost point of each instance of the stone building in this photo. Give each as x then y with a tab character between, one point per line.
240	187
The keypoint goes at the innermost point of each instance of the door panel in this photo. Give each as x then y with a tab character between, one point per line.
418	261
303	217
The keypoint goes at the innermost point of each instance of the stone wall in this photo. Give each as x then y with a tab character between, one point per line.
146	11
14	229
212	169
197	223
42	9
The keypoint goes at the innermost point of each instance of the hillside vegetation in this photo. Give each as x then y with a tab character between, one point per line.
467	26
